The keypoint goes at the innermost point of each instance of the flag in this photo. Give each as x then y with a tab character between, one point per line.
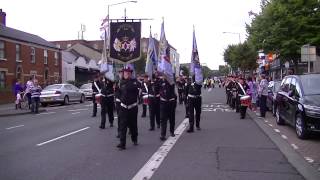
195	67
151	57
164	64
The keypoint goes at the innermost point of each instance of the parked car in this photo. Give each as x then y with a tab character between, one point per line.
61	93
273	88
298	103
87	90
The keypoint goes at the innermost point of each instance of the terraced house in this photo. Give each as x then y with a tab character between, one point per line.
24	55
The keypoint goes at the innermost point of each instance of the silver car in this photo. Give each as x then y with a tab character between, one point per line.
61	93
87	90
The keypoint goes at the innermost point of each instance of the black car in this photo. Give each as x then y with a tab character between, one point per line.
298	103
273	88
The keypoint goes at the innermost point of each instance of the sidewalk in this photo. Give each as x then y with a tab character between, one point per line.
7	110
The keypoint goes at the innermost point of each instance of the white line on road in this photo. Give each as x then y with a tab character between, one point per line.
270	125
14	127
46	113
75	113
277	130
57	138
284	137
310	160
156	159
265	121
294	146
77	109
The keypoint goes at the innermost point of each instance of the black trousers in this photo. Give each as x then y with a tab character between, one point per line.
237	104
144	110
94	110
194	104
228	96
180	93
167	113
263	105
128	119
154	111
118	113
107	107
186	104
243	110
35	104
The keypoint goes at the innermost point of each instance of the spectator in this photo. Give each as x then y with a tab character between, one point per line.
28	90
35	96
263	92
252	92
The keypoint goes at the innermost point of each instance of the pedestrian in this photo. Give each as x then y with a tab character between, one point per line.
144	95
29	84
128	112
154	102
107	103
252	92
263	92
18	99
35	96
194	102
243	88
96	89
168	102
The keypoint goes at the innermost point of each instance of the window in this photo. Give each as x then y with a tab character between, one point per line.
18	53
46	74
2	50
286	85
69	45
2	79
33	55
33	74
58	46
56	58
18	73
45	54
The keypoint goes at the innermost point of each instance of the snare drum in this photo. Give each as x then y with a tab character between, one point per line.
98	98
145	99
245	100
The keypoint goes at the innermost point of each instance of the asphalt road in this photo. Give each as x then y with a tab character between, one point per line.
66	143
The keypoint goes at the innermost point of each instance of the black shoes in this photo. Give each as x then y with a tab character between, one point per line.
158	126
151	129
118	136
190	131
121	147
111	125
163	138
143	115
93	116
102	127
198	128
173	135
135	143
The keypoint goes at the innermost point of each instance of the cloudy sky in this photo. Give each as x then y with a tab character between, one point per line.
61	20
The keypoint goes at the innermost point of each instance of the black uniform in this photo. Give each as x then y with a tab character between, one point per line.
228	92
194	102
107	103
117	103
180	86
128	112
94	92
167	107
144	94
185	98
241	93
154	103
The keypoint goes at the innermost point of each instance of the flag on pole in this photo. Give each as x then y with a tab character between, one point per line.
195	67
164	63
151	57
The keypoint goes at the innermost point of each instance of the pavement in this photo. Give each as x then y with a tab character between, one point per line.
65	143
7	110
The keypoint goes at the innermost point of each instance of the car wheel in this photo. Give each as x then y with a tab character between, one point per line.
82	99
279	120
66	100
44	104
301	129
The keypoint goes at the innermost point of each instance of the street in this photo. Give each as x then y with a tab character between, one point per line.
65	143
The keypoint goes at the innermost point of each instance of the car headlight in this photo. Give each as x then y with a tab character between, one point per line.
312	110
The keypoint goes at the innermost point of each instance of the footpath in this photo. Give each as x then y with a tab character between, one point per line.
7	110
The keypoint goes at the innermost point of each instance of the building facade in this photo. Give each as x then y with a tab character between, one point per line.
24	55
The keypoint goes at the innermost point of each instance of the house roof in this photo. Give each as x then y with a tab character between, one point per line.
18	35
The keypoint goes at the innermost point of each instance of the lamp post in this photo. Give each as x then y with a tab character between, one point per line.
233	33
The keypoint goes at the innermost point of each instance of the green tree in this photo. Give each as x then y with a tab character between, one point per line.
185	70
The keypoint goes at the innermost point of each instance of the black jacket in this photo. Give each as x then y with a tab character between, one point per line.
128	92
167	92
94	89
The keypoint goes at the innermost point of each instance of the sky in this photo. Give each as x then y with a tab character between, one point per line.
56	20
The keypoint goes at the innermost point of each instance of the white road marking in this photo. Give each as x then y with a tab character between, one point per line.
277	130
116	117
294	146
270	125
310	160
75	113
156	159
46	113
14	127
284	137
77	109
57	138
266	121
89	105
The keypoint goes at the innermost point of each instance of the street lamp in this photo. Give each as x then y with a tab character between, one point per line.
233	33
109	5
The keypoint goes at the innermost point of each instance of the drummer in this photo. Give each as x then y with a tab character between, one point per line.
242	93
144	94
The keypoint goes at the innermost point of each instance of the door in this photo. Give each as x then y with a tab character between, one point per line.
284	101
292	101
69	92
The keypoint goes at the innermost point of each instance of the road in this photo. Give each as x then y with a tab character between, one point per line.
65	143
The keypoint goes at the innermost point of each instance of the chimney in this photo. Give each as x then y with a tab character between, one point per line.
2	17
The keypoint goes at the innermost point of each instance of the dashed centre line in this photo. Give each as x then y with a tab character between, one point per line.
77	110
13	127
75	113
277	130
294	146
46	113
284	137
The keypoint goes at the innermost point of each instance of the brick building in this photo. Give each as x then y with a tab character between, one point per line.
24	55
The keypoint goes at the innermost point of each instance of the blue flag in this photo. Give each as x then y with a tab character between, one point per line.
151	57
195	67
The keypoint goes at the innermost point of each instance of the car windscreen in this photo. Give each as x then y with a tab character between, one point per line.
86	86
311	84
52	87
